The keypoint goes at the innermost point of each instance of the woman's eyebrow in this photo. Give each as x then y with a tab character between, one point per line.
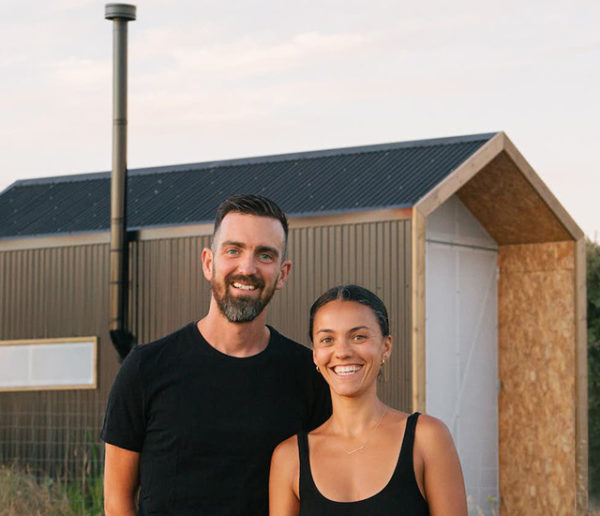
356	328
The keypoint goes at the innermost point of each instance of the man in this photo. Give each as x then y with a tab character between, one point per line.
194	417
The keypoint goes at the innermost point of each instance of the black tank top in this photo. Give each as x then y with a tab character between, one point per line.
400	497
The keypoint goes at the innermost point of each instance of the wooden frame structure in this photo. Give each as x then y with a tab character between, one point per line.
536	236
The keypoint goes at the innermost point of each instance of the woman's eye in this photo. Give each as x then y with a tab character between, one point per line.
326	340
359	337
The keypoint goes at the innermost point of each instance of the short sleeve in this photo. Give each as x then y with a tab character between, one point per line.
320	410
125	418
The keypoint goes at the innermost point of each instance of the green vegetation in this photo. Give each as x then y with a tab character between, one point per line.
593	315
22	493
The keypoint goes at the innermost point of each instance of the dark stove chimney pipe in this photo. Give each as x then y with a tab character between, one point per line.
122	338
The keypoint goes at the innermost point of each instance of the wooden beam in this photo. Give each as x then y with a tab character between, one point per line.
418	355
461	175
43	242
543	191
581	383
193	230
353	217
509	207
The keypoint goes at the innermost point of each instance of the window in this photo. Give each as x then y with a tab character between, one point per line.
48	364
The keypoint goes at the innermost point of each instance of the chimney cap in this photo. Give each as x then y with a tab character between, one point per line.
119	11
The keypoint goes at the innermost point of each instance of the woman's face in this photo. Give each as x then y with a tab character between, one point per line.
348	347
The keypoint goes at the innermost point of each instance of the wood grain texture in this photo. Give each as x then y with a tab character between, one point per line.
418	313
537	368
509	207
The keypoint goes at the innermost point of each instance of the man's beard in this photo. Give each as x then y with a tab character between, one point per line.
244	308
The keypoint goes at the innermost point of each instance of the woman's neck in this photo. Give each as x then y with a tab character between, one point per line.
353	416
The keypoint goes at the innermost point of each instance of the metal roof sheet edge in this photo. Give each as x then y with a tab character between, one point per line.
295	215
258	159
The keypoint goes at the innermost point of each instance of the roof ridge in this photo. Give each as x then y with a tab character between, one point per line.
361	149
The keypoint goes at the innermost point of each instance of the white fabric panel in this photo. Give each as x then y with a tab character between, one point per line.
48	365
462	342
452	222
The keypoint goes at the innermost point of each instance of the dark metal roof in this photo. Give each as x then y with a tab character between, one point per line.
307	183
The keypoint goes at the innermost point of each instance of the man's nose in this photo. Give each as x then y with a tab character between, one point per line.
247	264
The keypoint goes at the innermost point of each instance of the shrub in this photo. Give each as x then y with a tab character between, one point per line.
593	315
23	493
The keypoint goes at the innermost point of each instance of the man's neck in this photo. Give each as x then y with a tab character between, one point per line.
234	339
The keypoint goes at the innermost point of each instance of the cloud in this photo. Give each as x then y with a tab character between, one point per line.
80	73
251	57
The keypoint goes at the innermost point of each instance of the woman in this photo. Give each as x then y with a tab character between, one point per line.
367	458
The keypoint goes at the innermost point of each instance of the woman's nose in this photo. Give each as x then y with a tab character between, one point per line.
342	348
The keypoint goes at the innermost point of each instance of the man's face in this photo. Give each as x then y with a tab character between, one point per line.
245	265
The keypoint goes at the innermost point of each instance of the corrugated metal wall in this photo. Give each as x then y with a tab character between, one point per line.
45	293
62	292
375	255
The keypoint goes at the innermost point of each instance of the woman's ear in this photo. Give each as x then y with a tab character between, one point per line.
387	347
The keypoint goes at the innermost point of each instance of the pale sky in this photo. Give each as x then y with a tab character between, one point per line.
213	80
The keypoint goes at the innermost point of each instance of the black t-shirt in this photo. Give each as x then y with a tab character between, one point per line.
206	423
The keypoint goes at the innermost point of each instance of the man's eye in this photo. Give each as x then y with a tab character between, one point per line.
265	257
232	252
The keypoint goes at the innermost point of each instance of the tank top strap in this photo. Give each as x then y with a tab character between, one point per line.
305	475
405	461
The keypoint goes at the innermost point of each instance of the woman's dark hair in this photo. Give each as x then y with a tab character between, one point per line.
358	295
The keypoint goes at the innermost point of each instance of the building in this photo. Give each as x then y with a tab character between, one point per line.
482	270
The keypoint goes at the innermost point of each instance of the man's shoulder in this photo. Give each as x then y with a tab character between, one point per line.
168	345
285	346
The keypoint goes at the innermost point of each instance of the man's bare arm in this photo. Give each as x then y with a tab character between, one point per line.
121	480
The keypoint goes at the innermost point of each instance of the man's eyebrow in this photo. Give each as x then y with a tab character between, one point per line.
234	243
268	249
261	249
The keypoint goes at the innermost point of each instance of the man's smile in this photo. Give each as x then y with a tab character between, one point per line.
243	286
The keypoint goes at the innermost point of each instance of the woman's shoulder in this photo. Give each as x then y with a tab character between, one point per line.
432	437
285	462
429	427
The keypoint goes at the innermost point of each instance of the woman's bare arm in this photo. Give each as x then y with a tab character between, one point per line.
442	475
283	480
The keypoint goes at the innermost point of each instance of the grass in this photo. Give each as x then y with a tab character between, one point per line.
24	494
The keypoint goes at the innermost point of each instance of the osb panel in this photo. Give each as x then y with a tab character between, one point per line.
508	206
536	348
536	258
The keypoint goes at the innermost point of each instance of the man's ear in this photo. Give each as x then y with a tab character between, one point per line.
207	263
284	272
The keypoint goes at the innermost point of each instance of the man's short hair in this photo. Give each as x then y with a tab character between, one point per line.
250	204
